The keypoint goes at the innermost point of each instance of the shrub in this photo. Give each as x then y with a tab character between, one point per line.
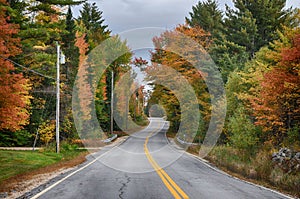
47	131
65	147
243	131
18	138
263	165
292	139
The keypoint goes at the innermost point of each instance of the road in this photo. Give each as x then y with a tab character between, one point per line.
146	166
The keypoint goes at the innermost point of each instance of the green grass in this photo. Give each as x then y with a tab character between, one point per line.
17	162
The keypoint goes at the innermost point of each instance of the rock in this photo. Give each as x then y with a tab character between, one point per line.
3	195
285	152
287	160
297	156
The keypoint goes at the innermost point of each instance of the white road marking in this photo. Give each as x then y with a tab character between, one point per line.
205	162
71	174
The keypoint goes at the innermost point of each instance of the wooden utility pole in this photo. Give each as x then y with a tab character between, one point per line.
57	97
112	104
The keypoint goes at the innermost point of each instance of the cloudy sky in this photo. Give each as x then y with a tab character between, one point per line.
122	15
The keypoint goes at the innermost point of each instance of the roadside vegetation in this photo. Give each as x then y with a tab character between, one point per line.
22	165
28	49
258	59
257	168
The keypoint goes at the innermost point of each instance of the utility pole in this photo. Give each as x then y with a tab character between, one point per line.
112	104
57	97
60	60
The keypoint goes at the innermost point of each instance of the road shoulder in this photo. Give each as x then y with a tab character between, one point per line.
36	181
224	172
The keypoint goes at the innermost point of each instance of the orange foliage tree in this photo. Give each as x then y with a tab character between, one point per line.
277	107
14	97
170	48
84	88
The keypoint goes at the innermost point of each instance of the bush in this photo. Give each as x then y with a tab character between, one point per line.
65	146
243	131
293	138
263	165
18	138
47	131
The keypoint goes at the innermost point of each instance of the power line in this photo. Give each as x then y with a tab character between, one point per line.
28	69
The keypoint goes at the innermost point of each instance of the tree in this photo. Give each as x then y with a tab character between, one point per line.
47	131
206	15
68	74
14	88
228	56
84	88
276	107
41	26
71	51
140	63
169	50
91	17
243	137
270	16
253	24
118	66
241	27
247	27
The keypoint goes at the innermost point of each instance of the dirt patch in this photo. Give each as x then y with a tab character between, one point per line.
22	183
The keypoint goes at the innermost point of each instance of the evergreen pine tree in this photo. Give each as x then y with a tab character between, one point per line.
206	15
241	27
91	17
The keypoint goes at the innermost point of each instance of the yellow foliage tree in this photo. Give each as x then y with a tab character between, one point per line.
47	131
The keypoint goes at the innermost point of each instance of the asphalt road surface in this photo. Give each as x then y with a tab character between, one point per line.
146	166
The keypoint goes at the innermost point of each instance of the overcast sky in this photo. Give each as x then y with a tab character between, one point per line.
122	15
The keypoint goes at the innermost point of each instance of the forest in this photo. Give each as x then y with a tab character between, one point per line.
258	61
30	32
255	46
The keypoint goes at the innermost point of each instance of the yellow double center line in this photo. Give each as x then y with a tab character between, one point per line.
175	190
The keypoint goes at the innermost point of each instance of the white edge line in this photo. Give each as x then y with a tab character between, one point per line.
74	172
205	162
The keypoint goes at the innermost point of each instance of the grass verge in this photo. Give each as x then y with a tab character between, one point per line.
16	166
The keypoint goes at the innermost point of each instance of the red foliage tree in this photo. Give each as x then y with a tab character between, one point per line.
139	62
14	98
277	108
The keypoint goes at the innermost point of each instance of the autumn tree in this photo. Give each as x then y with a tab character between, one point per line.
170	48
42	24
83	93
276	106
14	88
